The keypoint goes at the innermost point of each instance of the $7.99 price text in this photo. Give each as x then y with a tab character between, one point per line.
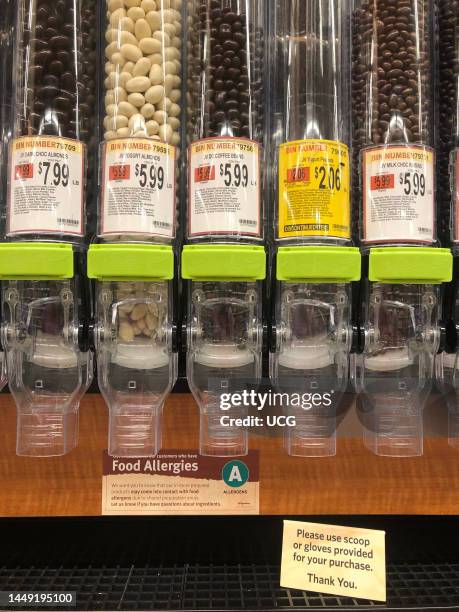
52	173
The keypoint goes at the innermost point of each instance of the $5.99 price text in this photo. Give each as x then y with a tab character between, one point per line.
234	175
149	176
413	183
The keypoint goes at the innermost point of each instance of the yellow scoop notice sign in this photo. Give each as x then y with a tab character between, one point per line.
336	560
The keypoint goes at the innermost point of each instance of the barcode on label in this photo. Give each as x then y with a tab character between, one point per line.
162	224
247	222
424	230
62	221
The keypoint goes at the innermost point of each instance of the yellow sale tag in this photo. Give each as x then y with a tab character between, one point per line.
331	559
314	189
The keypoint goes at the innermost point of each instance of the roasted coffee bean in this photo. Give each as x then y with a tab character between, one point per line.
225	75
392	89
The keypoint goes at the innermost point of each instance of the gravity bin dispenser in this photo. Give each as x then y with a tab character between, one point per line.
395	183
6	56
133	260
315	262
224	337
224	260
45	300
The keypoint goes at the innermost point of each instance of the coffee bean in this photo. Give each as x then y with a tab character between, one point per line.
222	71
448	17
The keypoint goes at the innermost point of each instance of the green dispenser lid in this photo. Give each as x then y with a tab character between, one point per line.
128	262
223	262
318	264
36	261
410	265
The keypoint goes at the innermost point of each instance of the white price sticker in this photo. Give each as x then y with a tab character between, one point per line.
46	186
138	188
398	194
224	187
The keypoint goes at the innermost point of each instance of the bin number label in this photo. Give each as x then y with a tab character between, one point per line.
314	189
224	187
398	194
46	186
138	188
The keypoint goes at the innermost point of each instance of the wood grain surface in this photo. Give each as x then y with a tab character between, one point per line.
353	482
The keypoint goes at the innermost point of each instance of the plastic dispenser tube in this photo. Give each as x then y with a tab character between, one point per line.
44	293
224	260
315	262
448	192
393	101
447	361
133	260
6	57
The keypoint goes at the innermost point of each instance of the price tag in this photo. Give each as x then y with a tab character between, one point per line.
398	194
314	191
382	181
46	186
138	188
224	187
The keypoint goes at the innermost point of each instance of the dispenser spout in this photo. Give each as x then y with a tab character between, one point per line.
224	357
137	366
394	372
48	373
311	359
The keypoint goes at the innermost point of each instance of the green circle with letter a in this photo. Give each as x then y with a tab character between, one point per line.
235	473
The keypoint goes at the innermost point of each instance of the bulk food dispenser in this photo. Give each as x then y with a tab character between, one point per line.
315	262
448	193
6	72
133	260
224	258
44	293
393	113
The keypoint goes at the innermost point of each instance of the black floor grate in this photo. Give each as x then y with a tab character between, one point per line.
224	587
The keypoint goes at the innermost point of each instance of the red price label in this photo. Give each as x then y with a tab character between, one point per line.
382	181
23	171
119	173
299	175
204	173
